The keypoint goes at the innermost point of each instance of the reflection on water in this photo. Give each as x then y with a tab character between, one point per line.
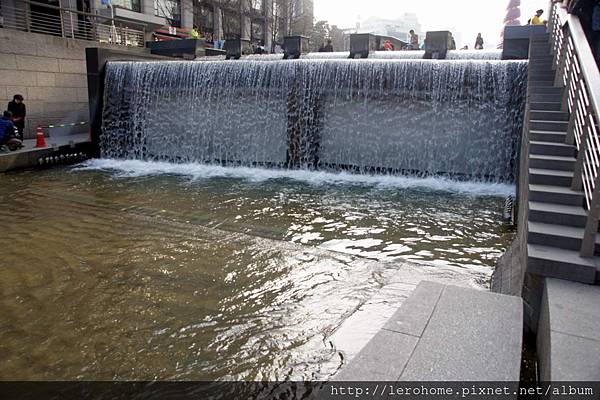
166	277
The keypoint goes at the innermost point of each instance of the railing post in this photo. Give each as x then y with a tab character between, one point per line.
62	23
577	182
588	244
27	17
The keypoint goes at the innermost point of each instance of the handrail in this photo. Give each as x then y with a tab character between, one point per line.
577	72
71	23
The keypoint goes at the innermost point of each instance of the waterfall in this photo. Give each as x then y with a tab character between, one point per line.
411	116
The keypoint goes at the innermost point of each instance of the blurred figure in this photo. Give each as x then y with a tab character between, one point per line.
388	46
537	20
328	48
479	42
18	110
8	133
465	47
414	40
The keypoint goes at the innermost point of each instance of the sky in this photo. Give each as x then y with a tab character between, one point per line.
468	17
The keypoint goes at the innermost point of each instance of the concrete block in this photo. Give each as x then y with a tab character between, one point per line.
383	358
52	93
17	78
472	336
35	63
4	94
412	317
72	66
46	79
8	61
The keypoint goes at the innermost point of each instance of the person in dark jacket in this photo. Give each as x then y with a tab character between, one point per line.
328	48
479	42
8	132
17	108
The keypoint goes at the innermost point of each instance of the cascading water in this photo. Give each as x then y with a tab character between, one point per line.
418	116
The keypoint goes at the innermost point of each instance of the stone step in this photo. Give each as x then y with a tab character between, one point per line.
552	149
552	177
549	126
546	105
537	97
545	115
546	76
560	236
557	214
540	37
540	83
540	51
559	163
546	90
555	194
545	136
560	263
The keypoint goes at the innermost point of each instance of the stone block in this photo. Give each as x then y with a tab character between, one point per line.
72	66
574	358
46	79
8	61
412	317
382	359
17	78
71	80
15	42
573	308
471	336
12	90
52	93
82	95
3	94
35	63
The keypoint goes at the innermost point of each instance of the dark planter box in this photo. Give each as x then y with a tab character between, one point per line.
516	41
295	46
437	44
181	48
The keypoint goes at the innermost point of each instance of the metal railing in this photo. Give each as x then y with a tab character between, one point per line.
577	72
31	16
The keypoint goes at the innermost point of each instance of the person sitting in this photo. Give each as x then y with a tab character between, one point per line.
328	48
8	133
537	20
388	46
18	110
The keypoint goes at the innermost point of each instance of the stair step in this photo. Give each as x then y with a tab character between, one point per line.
541	76
545	115
558	166
562	237
546	136
548	82
555	194
557	214
541	176
561	264
552	90
546	105
551	126
537	97
552	149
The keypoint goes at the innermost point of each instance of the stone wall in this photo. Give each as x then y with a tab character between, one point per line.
50	72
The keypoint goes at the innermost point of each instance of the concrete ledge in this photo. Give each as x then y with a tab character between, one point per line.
568	342
445	333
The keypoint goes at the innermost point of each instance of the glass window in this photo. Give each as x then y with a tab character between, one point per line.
133	5
169	9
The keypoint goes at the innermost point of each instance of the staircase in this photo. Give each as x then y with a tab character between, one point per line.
556	213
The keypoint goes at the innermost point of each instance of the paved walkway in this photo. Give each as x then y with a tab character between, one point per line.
29	155
445	333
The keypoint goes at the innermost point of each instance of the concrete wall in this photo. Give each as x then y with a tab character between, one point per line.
50	72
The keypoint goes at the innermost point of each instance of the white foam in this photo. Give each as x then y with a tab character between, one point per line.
136	168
